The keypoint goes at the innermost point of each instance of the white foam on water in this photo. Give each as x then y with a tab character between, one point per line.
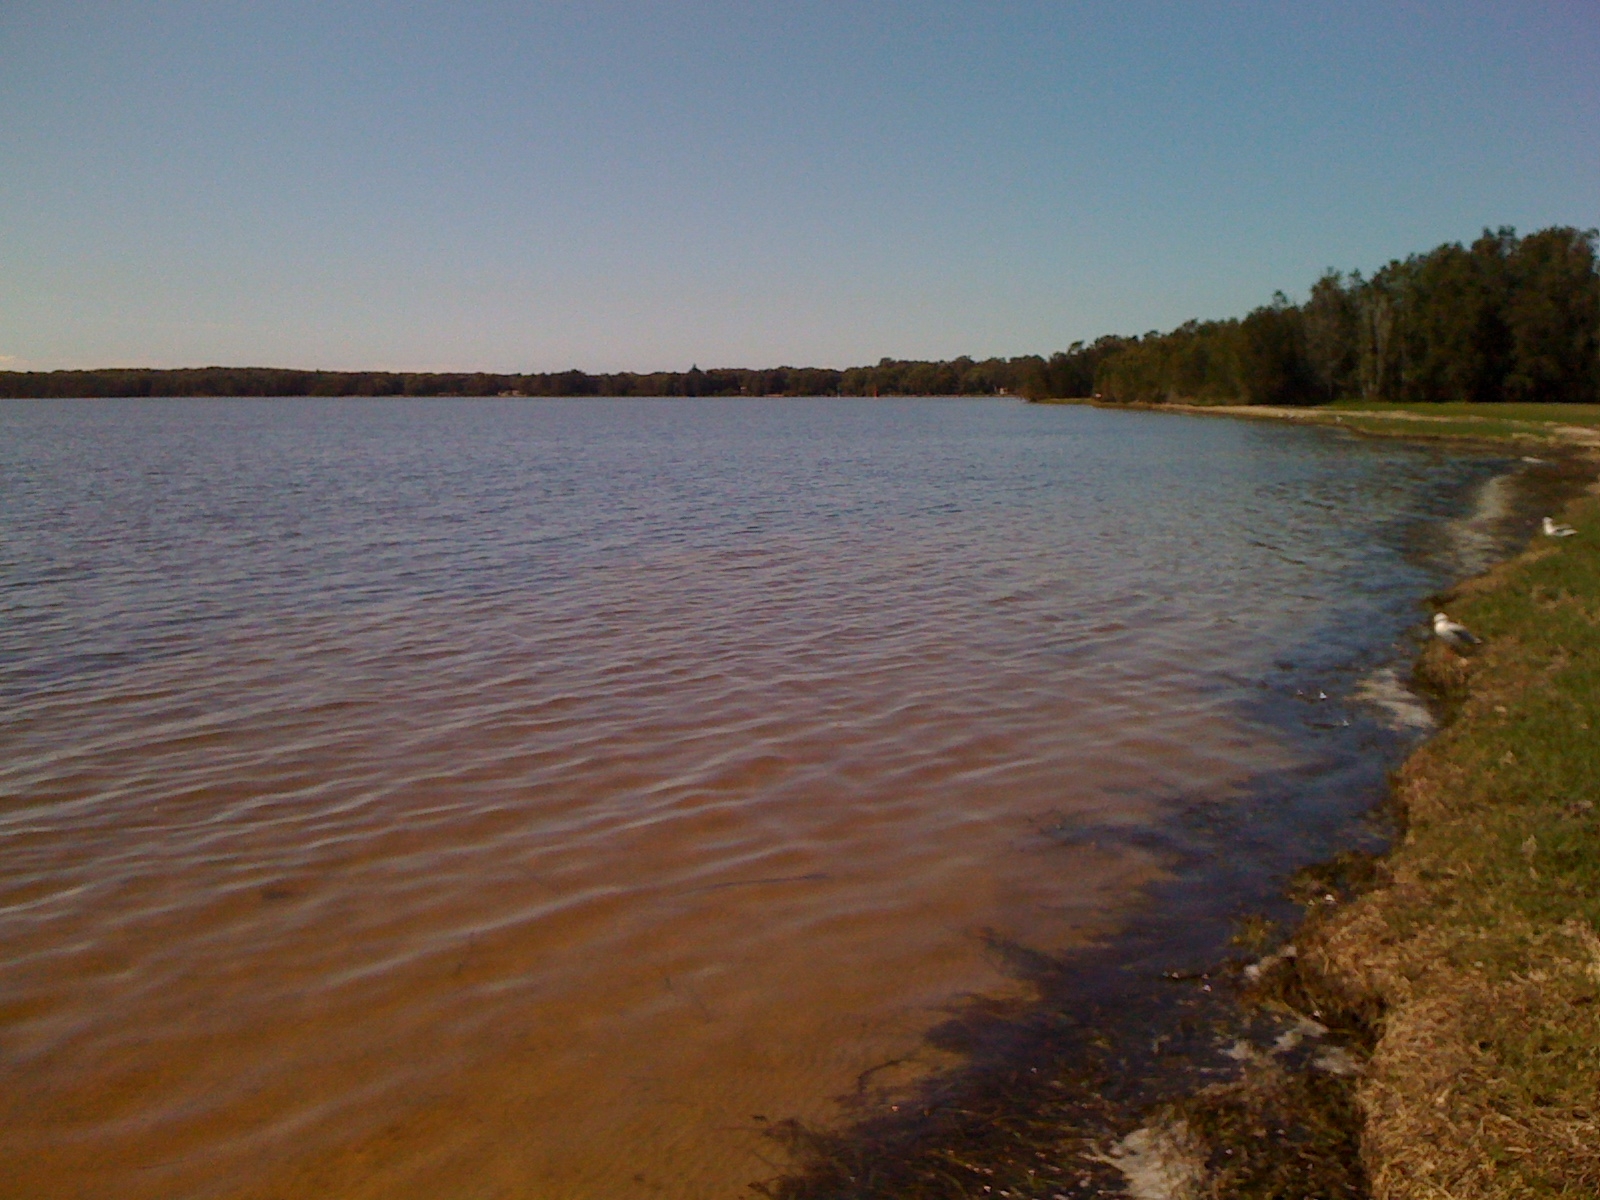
1401	707
1478	540
1162	1161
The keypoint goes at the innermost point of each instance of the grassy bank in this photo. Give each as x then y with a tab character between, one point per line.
1519	424
1472	957
1480	952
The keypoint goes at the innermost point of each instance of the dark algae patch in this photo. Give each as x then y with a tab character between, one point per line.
1179	1089
1421	1023
1239	1079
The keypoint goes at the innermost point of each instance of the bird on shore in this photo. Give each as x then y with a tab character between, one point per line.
1454	632
1553	529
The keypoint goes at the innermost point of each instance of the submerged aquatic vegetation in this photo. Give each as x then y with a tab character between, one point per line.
1176	1092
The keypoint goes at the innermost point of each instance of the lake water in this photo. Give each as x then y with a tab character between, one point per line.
539	798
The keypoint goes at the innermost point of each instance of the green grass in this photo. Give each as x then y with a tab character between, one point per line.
1493	422
1508	422
1378	424
1561	414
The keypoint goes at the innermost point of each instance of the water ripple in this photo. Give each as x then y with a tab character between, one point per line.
400	792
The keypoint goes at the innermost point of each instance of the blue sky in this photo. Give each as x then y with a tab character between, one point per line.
620	186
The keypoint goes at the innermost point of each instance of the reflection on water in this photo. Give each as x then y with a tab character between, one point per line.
536	798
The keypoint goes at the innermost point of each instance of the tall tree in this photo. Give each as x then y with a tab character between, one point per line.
1272	365
1329	318
1554	318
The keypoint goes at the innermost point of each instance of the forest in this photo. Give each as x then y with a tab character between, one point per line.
1506	318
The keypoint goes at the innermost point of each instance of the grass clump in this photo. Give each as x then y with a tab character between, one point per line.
1279	1133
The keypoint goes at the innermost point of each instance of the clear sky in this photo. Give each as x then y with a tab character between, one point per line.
611	186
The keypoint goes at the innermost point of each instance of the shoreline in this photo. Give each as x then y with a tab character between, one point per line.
1466	961
1474	955
1481	425
1357	1040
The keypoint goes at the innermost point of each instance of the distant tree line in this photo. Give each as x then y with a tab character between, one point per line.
1507	318
890	377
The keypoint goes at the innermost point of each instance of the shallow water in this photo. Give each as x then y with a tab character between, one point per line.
537	798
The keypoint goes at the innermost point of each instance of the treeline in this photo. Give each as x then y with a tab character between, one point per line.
962	376
269	381
1069	373
1507	318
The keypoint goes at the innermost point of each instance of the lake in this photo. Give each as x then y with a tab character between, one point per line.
410	798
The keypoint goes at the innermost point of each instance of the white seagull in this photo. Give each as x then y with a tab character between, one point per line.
1453	632
1551	529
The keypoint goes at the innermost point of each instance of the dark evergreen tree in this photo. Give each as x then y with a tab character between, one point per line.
1331	323
1553	318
